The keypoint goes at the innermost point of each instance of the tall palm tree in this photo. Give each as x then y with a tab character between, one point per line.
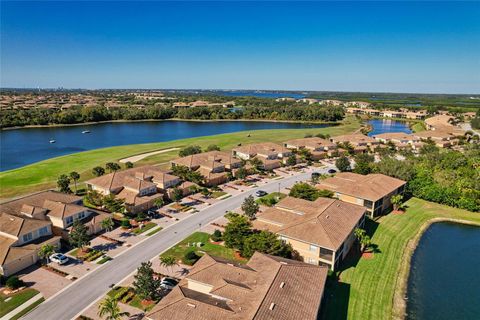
168	262
75	176
107	224
46	251
109	308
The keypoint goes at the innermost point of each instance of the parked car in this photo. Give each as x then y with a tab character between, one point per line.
168	283
261	193
59	258
332	171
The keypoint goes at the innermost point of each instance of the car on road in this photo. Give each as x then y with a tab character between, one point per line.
261	193
332	171
59	258
168	283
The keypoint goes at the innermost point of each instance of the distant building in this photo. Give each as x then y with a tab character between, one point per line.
271	154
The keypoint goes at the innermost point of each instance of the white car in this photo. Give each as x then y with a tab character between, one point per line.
168	283
59	258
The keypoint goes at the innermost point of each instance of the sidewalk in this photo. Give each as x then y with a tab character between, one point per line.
22	307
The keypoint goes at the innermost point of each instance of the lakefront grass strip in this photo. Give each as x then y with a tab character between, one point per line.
44	174
366	290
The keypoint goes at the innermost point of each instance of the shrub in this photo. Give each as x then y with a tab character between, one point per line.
217	235
190	257
121	293
126	224
14	283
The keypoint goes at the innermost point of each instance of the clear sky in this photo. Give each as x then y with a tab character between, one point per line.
341	46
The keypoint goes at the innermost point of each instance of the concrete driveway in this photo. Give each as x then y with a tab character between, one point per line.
47	282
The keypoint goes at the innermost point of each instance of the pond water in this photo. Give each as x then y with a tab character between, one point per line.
385	126
444	280
25	146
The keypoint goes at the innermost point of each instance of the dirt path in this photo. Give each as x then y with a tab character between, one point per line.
141	156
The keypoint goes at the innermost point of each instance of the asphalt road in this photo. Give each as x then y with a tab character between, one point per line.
83	292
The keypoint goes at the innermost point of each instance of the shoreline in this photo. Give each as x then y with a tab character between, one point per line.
60	125
399	308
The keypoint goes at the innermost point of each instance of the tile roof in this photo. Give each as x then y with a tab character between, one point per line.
209	160
397	136
37	200
15	225
370	187
246	291
62	210
356	138
264	149
311	143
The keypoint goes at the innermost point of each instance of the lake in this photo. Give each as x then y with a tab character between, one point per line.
260	94
385	126
25	146
444	280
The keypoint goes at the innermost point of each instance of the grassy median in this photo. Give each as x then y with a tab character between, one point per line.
44	174
367	287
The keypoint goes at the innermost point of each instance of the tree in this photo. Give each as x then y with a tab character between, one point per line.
109	308
250	207
112	204
291	160
108	224
177	194
363	238
146	285
343	164
63	183
257	164
216	236
397	201
112	166
213	147
363	163
98	171
159	202
75	176
128	165
187	151
205	192
93	198
168	262
241	173
14	283
266	242
304	191
46	251
79	237
236	230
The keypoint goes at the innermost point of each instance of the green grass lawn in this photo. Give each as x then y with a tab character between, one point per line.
366	287
146	227
16	300
44	174
218	194
418	127
27	309
271	198
179	250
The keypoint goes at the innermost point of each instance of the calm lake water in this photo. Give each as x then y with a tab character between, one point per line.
260	94
444	279
25	146
385	126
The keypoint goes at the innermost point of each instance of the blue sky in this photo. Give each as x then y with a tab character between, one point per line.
342	46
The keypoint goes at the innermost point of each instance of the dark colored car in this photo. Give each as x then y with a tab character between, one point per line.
332	171
261	193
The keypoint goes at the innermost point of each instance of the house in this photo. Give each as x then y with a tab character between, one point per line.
373	191
138	187
26	224
401	140
271	154
360	142
319	148
359	104
439	122
321	231
332	102
212	165
284	99
307	100
265	288
441	138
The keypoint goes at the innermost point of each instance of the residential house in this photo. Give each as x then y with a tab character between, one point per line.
332	102
213	165
440	138
265	288
271	154
360	142
373	191
401	140
319	148
321	231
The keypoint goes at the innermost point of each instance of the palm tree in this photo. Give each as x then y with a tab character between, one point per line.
75	176
256	163
168	262
363	238
158	202
107	224
397	202
46	251
109	308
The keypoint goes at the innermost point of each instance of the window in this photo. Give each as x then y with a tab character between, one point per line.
326	254
81	215
43	231
27	237
69	220
368	204
311	261
313	248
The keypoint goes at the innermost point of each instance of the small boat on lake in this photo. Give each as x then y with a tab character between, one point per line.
86	131
52	141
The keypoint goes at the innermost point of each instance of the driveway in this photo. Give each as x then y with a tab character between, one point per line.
86	291
47	282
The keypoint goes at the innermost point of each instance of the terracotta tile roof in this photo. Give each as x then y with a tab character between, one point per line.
245	291
263	149
354	139
398	136
211	159
370	187
62	210
15	225
132	197
311	143
37	200
324	222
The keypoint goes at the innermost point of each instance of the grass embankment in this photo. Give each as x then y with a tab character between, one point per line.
418	127
27	309
179	250
43	175
16	300
367	286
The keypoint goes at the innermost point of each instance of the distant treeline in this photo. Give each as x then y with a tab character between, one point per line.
36	116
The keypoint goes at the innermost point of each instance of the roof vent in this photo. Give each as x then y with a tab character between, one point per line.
282	284
272	305
191	305
327	217
283	262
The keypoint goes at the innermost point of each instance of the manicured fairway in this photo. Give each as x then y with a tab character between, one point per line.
44	174
366	287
